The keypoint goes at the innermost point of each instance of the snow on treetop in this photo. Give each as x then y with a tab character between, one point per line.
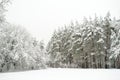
100	40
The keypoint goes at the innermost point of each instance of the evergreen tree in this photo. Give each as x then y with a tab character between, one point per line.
92	44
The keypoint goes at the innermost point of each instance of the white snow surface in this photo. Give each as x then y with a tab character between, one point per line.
63	74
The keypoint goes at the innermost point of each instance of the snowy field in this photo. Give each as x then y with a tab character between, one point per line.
63	74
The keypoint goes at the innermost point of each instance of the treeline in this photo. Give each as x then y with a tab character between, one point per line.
94	43
18	49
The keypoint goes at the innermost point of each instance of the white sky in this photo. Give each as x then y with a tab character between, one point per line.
42	17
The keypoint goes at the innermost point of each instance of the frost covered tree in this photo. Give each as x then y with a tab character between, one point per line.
59	47
3	4
18	50
86	45
115	44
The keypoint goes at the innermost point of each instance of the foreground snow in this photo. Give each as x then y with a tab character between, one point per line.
64	74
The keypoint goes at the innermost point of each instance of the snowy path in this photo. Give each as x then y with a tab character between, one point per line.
64	74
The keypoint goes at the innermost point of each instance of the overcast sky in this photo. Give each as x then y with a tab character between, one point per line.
42	17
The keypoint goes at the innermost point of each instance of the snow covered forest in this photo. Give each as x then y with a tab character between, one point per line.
92	43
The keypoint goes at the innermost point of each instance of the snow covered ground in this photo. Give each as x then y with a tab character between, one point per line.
63	74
